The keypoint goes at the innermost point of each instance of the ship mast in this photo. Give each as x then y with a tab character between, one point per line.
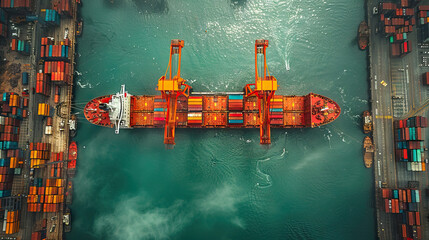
171	85
264	88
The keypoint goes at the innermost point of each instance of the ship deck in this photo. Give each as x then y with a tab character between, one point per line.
222	110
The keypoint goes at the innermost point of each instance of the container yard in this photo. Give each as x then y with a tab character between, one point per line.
399	109
37	77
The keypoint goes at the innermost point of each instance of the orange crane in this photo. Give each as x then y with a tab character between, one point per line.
172	86
264	88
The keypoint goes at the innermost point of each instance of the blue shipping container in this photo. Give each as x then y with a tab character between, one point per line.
395	194
24	78
235	97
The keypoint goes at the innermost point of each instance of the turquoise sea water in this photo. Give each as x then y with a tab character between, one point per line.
221	184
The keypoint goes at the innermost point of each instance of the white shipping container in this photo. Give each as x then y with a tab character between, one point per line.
420	166
4	225
409	166
2	120
2	154
48	130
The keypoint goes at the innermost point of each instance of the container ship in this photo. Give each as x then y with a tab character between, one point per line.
257	106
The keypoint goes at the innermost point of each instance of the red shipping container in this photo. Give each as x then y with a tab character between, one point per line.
386	205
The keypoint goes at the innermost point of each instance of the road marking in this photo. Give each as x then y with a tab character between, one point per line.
384	117
379	172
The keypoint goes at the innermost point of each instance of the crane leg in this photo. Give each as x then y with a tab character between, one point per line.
170	123
264	116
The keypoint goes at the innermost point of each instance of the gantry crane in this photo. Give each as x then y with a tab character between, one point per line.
171	86
264	88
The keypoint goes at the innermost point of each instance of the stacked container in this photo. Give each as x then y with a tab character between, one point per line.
54	51
235	118
3	30
39	235
3	16
43	109
12	222
43	84
160	108
57	94
195	108
24	78
36	195
50	17
397	22
235	102
39	154
409	144
20	46
55	169
405	202
54	195
59	70
62	7
10	5
276	110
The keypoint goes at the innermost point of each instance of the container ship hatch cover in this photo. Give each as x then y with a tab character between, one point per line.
257	106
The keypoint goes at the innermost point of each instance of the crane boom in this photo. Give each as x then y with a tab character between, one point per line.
171	86
264	88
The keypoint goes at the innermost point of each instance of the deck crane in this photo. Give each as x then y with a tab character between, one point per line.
171	86
264	88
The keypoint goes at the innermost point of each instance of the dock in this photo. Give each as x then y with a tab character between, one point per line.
40	222
396	92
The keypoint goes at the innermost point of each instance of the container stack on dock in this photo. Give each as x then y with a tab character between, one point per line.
423	20
39	154
47	199
12	221
397	21
16	5
43	109
59	71
62	7
43	84
50	51
54	195
3	30
3	23
160	108
405	203
35	196
20	46
39	235
409	141
195	108
55	169
50	17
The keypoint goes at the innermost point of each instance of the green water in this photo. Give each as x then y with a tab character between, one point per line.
221	184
